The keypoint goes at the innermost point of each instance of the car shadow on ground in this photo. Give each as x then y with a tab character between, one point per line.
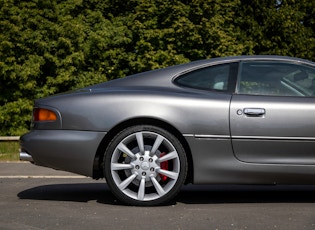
80	192
190	194
206	194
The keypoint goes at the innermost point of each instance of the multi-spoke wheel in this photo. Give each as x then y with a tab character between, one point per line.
145	165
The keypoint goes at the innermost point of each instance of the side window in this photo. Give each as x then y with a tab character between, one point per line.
209	78
276	79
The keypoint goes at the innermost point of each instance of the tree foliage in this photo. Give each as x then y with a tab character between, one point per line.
51	46
278	27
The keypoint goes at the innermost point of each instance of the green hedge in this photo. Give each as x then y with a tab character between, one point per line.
49	46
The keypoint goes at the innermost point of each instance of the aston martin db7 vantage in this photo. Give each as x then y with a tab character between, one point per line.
233	120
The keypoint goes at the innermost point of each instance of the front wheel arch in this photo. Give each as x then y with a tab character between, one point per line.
98	160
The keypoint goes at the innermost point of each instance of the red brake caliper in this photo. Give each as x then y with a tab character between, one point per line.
163	165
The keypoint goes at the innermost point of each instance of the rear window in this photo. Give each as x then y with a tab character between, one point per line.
209	78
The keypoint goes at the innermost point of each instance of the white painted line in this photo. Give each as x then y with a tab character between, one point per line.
46	177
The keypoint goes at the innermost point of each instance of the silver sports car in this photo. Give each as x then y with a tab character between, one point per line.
235	120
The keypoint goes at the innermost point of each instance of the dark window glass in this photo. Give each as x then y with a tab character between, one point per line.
276	79
210	78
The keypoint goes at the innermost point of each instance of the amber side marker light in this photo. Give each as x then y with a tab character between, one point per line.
40	114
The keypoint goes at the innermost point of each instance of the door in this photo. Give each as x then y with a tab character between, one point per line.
272	116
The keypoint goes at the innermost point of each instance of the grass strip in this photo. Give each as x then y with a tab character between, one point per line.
9	150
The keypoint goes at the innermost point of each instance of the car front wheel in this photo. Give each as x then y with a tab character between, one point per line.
145	165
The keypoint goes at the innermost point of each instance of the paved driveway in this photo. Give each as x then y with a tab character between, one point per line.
33	197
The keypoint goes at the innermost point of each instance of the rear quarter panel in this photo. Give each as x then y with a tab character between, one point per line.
190	113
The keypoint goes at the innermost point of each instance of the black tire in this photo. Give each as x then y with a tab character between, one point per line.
145	165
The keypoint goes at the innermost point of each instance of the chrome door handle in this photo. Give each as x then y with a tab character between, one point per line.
254	111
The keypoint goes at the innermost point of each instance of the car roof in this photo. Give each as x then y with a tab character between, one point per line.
163	77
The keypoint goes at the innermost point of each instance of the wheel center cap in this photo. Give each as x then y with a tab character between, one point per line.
145	166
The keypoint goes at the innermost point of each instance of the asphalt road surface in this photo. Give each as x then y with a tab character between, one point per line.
33	197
